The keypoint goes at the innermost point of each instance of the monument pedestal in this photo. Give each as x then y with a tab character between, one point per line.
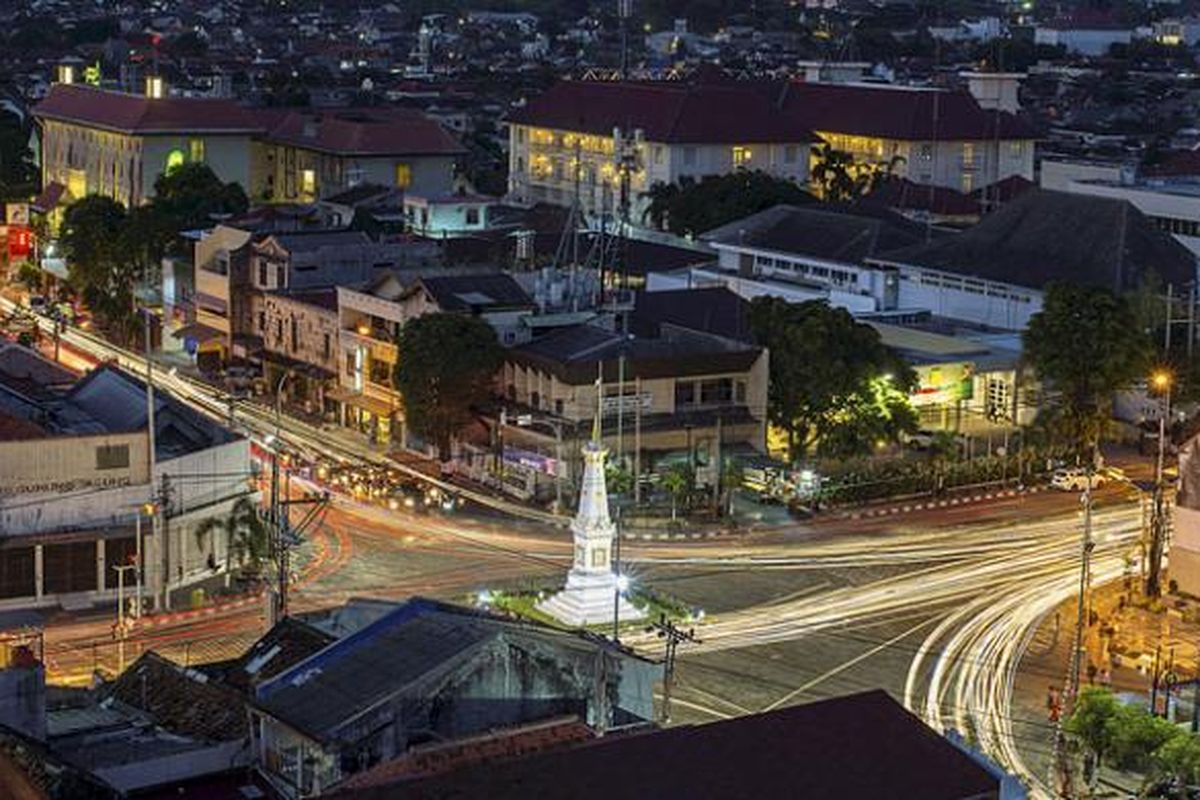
587	599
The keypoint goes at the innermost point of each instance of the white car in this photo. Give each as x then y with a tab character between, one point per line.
1075	479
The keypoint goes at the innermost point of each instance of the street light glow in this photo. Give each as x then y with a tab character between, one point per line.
1161	379
622	583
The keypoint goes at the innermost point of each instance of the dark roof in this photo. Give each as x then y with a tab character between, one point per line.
902	194
474	292
571	354
134	113
1045	236
365	132
712	309
181	700
286	644
861	746
846	237
665	111
902	113
354	673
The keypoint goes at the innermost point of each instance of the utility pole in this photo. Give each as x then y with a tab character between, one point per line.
617	588
1158	518
163	507
637	442
673	636
1061	760
122	628
624	12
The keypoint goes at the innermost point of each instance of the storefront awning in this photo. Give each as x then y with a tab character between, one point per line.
198	332
380	408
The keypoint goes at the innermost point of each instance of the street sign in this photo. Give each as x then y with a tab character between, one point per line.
525	420
16	214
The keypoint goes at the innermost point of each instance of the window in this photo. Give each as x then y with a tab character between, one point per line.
685	393
354	177
716	392
926	152
689	156
403	175
520	134
968	182
599	557
658	154
326	347
472	216
789	154
279	282
175	160
295	335
112	456
381	372
535	400
278	331
196	150
1016	149
741	156
968	153
262	323
308	181
558	407
740	392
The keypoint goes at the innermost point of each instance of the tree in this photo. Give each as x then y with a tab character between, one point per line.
1092	719
188	197
1085	344
694	207
677	481
246	540
833	383
1178	759
18	172
447	365
101	266
837	176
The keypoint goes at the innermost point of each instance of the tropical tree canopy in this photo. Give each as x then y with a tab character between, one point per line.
447	365
692	207
833	384
1085	344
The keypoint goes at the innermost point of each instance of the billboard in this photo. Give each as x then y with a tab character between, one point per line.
941	384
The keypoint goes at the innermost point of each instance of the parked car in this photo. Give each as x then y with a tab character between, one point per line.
1075	479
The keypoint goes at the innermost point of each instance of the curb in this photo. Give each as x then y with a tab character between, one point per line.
681	536
908	508
158	620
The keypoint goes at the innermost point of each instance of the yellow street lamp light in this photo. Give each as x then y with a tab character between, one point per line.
1161	380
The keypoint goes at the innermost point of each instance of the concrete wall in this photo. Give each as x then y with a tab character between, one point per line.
70	463
968	299
227	155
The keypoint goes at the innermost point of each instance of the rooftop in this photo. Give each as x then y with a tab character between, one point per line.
863	745
475	292
365	132
135	113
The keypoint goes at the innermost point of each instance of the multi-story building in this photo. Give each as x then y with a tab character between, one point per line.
299	332
221	302
306	155
75	480
929	136
116	144
678	394
370	320
572	139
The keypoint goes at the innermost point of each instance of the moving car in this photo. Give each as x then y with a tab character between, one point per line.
1075	479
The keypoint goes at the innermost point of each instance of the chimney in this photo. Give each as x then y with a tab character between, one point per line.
156	87
66	73
995	91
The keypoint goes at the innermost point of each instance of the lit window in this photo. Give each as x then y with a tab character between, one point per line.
308	181
196	149
175	160
403	175
741	156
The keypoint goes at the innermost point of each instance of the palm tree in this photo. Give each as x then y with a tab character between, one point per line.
677	481
836	175
246	540
661	196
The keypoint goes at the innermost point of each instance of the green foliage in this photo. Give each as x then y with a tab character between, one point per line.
833	383
1179	759
677	481
101	266
617	479
1134	737
246	537
189	196
1131	738
690	207
447	365
1092	720
1086	344
18	172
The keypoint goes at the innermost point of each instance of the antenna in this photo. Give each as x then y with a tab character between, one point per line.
624	12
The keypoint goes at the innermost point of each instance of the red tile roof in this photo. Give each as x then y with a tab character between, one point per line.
133	113
367	132
671	112
902	113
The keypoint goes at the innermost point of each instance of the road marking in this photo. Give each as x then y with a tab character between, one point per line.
848	664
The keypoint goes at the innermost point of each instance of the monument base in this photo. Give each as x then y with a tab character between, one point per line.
587	599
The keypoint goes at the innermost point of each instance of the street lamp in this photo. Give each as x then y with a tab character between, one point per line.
1162	381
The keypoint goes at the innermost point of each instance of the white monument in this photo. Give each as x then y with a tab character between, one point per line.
591	588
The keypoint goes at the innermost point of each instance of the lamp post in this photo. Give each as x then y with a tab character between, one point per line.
1161	382
277	516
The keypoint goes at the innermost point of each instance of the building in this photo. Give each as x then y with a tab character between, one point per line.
116	144
299	331
929	136
75	478
447	215
672	393
369	323
863	746
994	274
1172	204
1083	36
310	154
570	140
804	254
426	672
96	141
221	303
